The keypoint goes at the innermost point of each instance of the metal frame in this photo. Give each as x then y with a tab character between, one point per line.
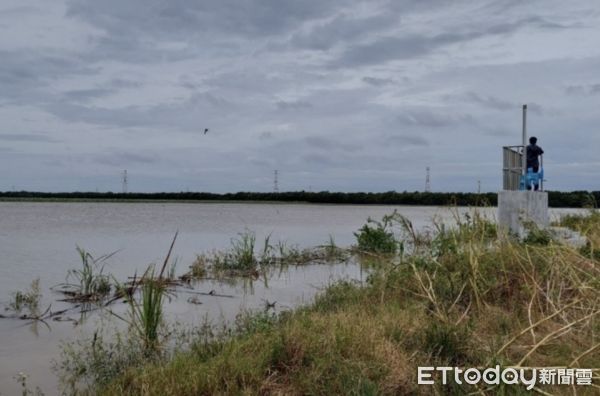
515	162
512	169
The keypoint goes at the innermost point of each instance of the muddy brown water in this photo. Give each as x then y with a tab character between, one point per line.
38	240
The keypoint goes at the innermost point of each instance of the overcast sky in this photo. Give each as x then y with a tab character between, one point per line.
337	95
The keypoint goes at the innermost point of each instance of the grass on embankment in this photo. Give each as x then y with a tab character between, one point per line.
467	297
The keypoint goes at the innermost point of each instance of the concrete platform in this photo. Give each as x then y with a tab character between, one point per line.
515	208
568	236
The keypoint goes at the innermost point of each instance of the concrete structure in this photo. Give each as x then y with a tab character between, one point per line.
517	208
567	236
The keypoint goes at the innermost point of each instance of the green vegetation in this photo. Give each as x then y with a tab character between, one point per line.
586	225
377	236
29	299
147	315
91	283
242	258
573	199
99	360
466	295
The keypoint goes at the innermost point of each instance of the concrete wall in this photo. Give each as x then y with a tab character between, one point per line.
517	207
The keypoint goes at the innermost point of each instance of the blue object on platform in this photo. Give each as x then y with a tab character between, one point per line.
531	180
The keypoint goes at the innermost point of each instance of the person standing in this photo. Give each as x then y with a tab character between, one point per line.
533	153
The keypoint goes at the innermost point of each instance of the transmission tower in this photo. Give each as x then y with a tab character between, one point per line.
125	181
427	180
276	181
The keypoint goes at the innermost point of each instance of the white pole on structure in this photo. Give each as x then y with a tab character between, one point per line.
524	158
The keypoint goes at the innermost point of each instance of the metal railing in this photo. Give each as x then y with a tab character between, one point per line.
514	167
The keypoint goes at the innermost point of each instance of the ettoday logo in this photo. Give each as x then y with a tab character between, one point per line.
529	377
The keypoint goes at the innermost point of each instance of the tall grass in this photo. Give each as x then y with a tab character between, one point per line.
92	283
469	296
147	314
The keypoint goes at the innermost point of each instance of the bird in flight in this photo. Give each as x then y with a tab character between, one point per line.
205	131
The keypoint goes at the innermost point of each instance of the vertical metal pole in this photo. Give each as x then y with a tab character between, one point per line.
542	168
524	159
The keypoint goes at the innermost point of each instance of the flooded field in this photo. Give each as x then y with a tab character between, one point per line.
39	240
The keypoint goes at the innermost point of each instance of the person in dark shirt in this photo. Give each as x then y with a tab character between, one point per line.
533	153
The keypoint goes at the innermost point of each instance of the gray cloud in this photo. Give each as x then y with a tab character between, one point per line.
589	89
342	29
27	137
87	94
293	105
125	158
433	119
491	102
322	143
176	19
350	94
25	74
378	82
410	46
407	140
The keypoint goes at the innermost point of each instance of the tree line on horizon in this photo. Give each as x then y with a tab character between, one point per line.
572	199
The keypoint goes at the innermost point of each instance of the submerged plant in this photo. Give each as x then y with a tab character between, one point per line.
147	313
92	283
29	299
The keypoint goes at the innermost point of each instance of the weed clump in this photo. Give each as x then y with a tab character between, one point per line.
90	284
245	259
29	299
377	236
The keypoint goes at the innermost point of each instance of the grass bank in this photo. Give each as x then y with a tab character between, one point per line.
465	296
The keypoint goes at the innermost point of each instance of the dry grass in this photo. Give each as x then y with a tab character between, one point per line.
468	297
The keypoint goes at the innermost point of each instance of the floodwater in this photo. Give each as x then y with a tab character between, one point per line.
38	240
